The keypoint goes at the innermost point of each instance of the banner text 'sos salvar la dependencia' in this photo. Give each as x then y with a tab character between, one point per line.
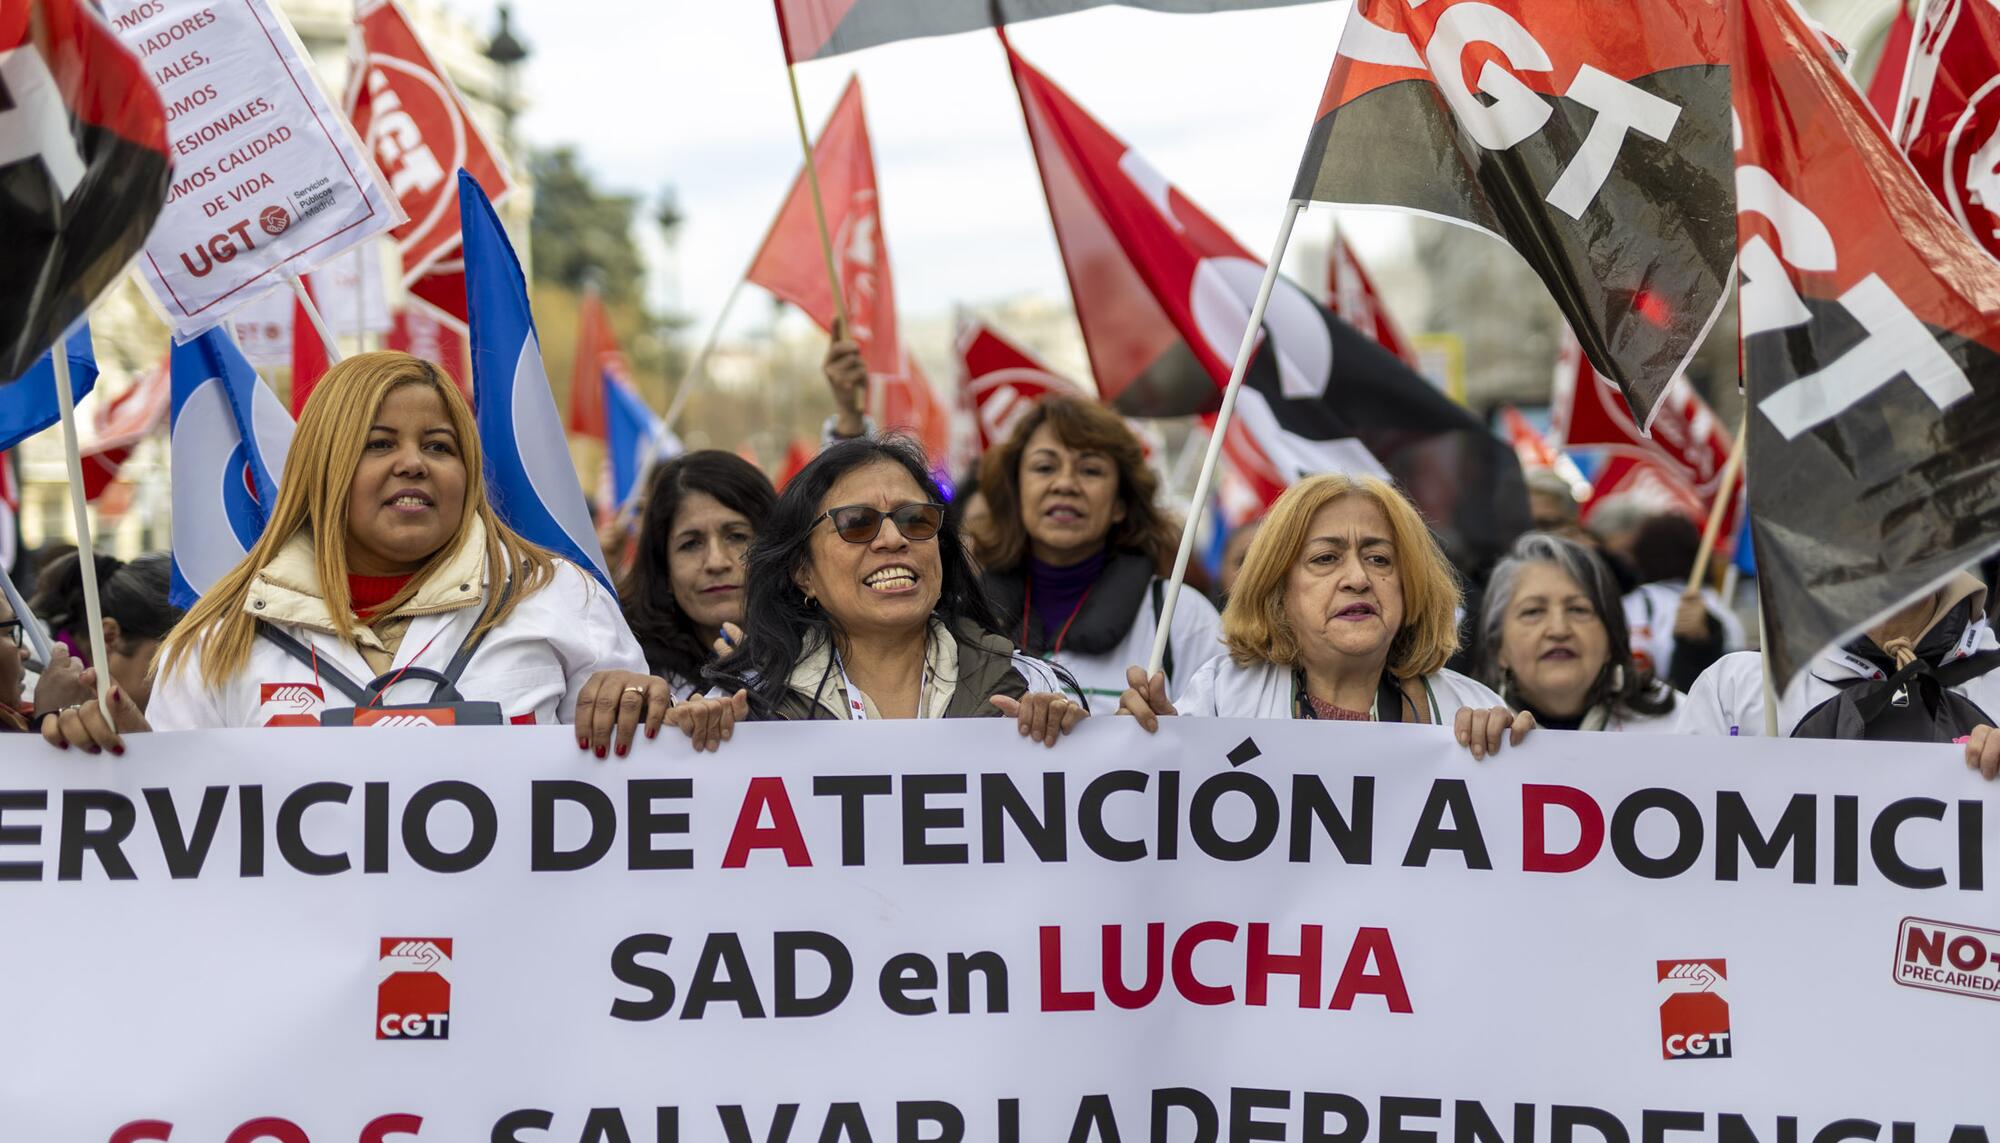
1233	930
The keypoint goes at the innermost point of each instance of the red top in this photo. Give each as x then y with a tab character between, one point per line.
1325	710
369	592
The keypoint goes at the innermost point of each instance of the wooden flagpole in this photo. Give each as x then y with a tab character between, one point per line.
819	205
1199	502
86	559
696	368
1725	495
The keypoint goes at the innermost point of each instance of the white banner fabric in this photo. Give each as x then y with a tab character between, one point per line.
351	303
923	932
268	176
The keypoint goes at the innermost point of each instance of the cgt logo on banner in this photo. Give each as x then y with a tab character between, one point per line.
413	1000
1694	1018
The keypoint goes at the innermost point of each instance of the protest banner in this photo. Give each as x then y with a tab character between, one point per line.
268	179
941	932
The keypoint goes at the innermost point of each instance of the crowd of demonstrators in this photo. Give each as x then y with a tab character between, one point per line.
1077	550
386	582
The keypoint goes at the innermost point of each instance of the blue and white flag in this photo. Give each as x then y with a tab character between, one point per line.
29	405
230	436
530	478
636	440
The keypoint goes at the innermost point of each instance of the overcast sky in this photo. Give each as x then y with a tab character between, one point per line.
693	93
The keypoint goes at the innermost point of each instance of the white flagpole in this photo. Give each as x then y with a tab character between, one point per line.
1770	672
360	299
693	374
1199	503
86	551
333	354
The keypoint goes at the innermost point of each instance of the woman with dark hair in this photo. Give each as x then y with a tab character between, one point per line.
863	605
137	617
1553	642
1076	549
687	582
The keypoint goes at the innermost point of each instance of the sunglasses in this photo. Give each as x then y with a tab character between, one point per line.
860	524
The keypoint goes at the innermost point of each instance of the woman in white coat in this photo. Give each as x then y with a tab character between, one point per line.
1075	550
1928	673
384	587
1344	611
1554	642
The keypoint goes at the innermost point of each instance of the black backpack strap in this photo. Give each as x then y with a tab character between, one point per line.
326	671
446	690
1159	605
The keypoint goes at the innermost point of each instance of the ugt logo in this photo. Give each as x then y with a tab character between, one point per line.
1694	1016
413	998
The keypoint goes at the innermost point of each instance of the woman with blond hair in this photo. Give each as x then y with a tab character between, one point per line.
1344	611
385	583
1076	549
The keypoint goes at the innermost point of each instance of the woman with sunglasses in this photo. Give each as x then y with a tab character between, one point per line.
864	605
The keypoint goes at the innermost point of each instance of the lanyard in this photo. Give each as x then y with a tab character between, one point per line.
857	706
1389	686
1028	609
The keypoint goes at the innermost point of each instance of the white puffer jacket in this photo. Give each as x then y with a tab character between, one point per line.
1221	689
533	664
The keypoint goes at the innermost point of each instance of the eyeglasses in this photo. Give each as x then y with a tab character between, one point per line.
12	629
860	523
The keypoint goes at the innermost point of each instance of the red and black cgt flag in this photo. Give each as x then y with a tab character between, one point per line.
814	29
1594	139
1871	350
1163	294
83	169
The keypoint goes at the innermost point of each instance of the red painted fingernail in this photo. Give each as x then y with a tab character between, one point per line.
624	748
652	732
583	744
118	751
63	745
115	696
600	752
95	750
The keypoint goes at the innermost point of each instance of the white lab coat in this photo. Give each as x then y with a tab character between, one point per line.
533	665
1196	638
1221	689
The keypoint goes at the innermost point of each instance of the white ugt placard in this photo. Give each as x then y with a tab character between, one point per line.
268	176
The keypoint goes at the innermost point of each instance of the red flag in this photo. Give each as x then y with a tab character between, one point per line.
1593	140
905	402
1886	85
1528	444
409	114
999	382
121	423
1950	120
798	454
84	169
594	343
419	333
1350	293
309	361
790	264
1163	294
1688	445
1871	350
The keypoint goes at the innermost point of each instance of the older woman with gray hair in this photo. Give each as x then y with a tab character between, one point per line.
1554	642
